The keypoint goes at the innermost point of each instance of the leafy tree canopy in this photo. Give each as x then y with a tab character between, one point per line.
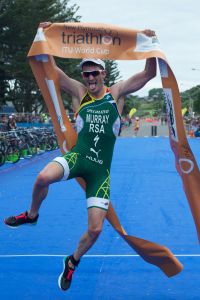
19	20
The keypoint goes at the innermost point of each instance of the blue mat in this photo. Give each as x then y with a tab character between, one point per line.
148	197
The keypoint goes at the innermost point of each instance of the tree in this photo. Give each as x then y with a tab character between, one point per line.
196	106
158	104
191	97
156	94
113	73
18	24
19	20
131	101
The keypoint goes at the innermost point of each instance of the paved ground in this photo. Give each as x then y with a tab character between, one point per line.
145	130
148	197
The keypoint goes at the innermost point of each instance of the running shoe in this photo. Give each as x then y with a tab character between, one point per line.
23	218
65	278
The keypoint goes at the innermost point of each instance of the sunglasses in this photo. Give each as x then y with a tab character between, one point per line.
93	73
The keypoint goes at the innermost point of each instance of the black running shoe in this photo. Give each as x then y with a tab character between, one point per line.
15	221
65	278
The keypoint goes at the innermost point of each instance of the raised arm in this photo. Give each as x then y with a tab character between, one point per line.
67	84
135	82
70	85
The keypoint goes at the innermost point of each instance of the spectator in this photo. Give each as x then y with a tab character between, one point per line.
136	126
4	123
12	125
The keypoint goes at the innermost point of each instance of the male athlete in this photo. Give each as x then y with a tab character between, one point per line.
98	121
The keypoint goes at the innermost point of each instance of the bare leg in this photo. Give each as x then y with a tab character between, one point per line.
96	218
51	173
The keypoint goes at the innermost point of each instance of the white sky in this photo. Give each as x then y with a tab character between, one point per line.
177	25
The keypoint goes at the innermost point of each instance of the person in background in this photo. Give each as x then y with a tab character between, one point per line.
12	125
136	125
4	123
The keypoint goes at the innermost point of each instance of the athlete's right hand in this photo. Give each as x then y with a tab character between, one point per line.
45	24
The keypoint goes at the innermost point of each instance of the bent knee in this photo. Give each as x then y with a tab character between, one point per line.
42	179
94	232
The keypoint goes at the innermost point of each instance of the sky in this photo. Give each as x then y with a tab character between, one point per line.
177	26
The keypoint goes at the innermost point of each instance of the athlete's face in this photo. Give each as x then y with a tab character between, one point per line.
93	77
